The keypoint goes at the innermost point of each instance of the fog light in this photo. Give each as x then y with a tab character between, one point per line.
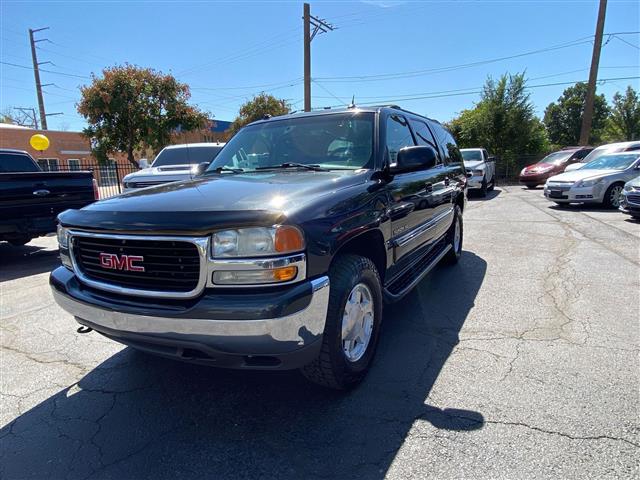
255	277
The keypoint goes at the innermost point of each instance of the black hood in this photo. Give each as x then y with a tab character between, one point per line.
211	202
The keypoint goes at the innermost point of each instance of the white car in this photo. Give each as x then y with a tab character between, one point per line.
601	150
482	168
600	181
173	163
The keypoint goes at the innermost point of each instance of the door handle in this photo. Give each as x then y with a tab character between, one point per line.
41	193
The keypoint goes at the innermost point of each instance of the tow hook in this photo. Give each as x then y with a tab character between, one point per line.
83	329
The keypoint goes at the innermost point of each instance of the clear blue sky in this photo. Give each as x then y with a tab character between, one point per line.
228	51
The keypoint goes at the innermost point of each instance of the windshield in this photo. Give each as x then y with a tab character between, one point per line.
598	152
16	162
471	155
186	155
335	141
612	161
556	158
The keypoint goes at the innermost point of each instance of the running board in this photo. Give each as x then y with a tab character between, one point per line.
405	283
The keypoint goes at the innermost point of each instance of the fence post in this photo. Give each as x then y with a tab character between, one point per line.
118	180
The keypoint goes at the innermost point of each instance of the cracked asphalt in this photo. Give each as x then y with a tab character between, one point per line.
521	362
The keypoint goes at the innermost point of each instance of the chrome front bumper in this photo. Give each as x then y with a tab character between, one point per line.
475	182
271	336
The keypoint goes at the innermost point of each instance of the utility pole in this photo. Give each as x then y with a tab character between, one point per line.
319	26
587	116
36	74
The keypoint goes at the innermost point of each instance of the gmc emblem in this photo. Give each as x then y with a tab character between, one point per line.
123	262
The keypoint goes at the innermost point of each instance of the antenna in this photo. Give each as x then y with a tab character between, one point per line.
353	102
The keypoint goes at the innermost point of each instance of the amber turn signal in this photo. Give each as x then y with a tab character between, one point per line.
284	274
288	239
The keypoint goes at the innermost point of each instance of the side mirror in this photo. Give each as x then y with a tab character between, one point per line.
144	163
492	158
201	168
414	158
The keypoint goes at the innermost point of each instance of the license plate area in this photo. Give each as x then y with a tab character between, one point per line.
555	193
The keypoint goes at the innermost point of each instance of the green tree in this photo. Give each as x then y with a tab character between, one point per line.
130	108
563	118
503	121
258	107
624	122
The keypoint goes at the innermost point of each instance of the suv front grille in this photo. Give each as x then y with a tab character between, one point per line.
169	266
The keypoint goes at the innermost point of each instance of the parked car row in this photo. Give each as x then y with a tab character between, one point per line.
606	175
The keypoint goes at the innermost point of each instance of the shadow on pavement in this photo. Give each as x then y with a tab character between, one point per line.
18	262
582	207
137	416
475	195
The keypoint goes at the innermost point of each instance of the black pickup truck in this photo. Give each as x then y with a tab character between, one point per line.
281	253
30	199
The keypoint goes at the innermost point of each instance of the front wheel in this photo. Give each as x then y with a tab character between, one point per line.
483	188
454	238
612	196
352	327
493	183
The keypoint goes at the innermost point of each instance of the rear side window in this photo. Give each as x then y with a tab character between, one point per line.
398	136
16	162
447	144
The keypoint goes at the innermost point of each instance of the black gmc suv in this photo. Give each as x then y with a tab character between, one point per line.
281	253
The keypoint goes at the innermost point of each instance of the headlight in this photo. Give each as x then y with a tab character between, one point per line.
477	173
63	237
628	188
589	183
257	241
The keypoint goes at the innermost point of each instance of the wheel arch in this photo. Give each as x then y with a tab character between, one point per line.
369	244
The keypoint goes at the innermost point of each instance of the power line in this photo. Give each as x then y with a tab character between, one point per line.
250	51
47	71
624	41
478	90
414	73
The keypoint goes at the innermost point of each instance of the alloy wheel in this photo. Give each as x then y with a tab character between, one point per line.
357	322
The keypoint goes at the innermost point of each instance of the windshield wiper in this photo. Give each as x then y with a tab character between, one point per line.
314	167
228	169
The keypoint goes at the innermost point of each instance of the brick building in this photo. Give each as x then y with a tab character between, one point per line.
72	151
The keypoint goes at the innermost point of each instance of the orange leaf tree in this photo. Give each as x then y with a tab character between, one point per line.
129	108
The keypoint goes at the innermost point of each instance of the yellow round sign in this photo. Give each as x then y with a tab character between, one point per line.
39	142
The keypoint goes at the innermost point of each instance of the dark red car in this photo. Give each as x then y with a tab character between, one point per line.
553	164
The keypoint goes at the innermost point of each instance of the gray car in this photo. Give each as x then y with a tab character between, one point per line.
630	198
600	181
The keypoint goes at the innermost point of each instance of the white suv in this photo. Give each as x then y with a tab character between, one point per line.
482	168
173	163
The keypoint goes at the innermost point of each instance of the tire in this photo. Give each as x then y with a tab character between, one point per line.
612	196
455	252
530	186
493	183
483	188
333	368
561	204
19	241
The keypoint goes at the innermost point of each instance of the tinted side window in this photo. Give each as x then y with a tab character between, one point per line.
447	144
423	134
16	162
398	136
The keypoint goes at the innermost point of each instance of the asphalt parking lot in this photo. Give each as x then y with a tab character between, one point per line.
520	362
